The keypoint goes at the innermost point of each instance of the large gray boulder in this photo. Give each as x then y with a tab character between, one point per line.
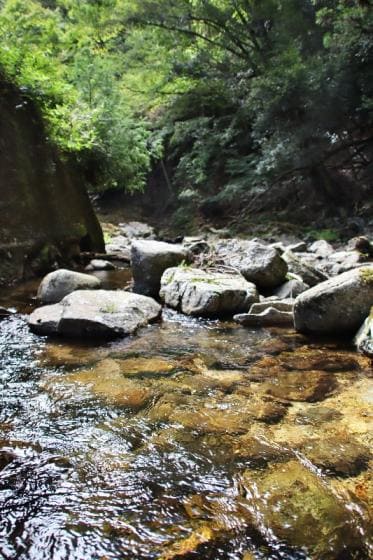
149	260
199	293
95	313
338	305
58	284
263	266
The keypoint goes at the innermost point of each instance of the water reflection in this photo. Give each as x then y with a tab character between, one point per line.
195	439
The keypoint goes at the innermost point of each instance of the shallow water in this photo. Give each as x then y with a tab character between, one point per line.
194	439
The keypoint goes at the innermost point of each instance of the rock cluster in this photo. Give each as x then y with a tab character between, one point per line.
318	289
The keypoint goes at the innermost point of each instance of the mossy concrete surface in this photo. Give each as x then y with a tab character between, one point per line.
45	212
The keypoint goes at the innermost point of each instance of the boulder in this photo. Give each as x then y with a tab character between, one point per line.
149	260
199	293
263	266
95	313
291	289
336	306
308	273
56	285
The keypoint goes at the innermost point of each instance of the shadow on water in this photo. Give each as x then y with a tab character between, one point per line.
195	439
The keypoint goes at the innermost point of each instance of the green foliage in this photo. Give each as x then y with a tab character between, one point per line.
61	54
234	96
325	234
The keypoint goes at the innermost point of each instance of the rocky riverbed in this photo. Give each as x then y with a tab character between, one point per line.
196	437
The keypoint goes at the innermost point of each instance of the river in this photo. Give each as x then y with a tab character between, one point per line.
194	439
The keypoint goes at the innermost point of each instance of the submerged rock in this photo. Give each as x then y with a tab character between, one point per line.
336	306
95	313
337	455
298	508
206	294
230	414
58	284
105	380
263	266
310	386
149	260
259	452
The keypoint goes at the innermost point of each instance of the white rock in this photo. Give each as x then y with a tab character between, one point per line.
56	285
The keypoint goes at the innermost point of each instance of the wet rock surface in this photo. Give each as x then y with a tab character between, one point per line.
299	509
337	455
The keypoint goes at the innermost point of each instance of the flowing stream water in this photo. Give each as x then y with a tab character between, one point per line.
194	439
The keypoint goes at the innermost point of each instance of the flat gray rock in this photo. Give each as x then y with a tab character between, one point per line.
199	293
95	313
268	317
336	306
58	284
149	260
